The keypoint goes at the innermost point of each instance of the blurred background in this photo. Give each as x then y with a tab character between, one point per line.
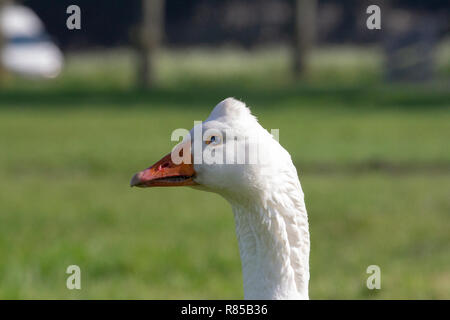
364	113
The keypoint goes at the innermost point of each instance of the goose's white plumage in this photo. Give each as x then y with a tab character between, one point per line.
267	201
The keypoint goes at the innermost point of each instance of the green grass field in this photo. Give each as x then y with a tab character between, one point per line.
374	162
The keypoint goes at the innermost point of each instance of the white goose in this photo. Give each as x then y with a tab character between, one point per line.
267	200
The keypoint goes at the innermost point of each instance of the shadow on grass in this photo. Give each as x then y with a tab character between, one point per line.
206	96
375	166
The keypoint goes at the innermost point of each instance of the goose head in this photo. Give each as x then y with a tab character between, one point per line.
231	154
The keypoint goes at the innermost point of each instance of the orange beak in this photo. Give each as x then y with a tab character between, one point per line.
165	173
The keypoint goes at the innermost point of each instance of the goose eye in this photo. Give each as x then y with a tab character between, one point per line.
213	140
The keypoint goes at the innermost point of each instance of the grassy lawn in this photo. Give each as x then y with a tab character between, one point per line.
373	159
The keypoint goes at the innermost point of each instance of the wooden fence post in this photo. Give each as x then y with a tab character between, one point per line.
304	33
150	35
2	43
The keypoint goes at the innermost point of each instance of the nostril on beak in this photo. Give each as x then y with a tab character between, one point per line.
162	166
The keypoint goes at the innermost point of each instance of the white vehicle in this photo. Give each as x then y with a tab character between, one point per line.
27	49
